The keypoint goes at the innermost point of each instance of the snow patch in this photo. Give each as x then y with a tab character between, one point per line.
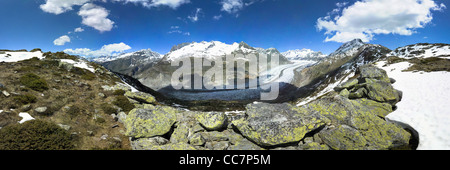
424	105
7	56
327	89
25	117
80	64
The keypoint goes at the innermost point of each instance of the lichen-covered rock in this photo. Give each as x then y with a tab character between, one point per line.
347	85
244	144
343	138
359	93
372	72
147	143
344	93
180	134
197	140
382	92
313	146
173	146
212	120
363	116
145	123
276	124
141	97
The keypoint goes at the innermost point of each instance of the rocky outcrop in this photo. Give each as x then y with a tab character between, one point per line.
147	123
335	121
277	124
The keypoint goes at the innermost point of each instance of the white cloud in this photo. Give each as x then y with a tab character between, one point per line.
60	6
61	40
232	6
79	29
96	17
366	18
217	17
106	50
174	4
176	29
194	18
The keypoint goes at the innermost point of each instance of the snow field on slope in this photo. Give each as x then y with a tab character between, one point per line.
425	104
19	56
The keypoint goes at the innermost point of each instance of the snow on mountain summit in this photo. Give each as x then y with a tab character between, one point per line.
303	54
422	50
208	50
145	53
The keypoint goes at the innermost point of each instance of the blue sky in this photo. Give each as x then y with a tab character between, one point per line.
115	26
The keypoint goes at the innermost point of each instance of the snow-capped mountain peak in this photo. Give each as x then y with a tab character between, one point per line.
303	54
422	50
144	54
208	50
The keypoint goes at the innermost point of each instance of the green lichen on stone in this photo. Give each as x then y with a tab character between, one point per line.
344	93
382	92
180	134
212	120
173	146
141	97
376	108
276	124
343	138
142	123
197	140
372	72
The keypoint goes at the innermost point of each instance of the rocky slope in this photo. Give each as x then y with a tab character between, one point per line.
130	63
343	102
64	92
341	121
303	54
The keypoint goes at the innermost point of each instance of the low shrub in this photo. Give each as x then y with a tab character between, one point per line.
34	82
73	111
124	103
108	109
35	135
25	99
84	74
119	92
36	49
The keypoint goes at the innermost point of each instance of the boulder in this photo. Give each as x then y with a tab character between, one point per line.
173	146
372	72
148	143
343	137
6	93
180	134
382	92
121	117
244	144
362	115
344	93
40	109
145	123
197	140
222	145
212	120
141	97
359	93
65	127
347	85
277	124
